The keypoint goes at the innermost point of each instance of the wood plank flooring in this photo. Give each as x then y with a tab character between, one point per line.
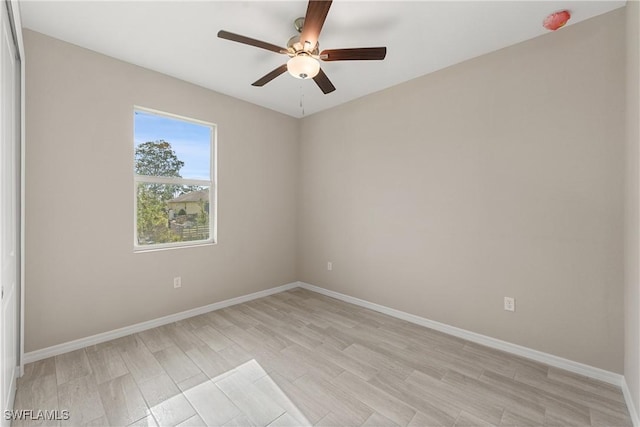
299	358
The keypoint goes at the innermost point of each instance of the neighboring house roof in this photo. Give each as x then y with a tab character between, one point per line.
194	196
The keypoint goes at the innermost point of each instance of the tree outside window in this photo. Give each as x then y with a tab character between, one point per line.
174	187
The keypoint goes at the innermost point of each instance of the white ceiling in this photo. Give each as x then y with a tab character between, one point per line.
178	38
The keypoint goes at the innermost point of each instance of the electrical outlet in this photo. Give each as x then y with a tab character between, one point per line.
177	282
329	266
509	304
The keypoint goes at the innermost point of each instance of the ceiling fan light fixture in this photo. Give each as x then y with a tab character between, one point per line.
303	66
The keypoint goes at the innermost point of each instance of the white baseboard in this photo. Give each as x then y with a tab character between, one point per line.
549	359
55	350
529	353
633	411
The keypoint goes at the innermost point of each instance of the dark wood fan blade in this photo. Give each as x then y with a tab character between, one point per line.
324	83
251	42
270	76
317	11
357	54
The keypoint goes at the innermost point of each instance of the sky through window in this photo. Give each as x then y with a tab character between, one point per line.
190	141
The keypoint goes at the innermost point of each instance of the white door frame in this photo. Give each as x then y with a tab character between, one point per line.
9	239
16	20
13	31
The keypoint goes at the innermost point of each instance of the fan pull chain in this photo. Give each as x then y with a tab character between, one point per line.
301	100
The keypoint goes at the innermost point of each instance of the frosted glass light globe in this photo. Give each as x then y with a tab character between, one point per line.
303	67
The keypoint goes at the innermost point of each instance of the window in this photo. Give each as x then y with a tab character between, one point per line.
174	181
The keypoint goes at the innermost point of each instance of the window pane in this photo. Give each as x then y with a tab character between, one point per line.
172	213
170	147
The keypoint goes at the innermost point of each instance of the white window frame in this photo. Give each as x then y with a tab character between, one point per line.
211	183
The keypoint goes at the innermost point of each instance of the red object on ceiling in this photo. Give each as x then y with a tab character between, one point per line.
556	20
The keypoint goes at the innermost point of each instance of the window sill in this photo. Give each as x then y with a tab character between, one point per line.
142	249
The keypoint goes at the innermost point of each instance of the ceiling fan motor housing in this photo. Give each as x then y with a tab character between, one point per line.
294	46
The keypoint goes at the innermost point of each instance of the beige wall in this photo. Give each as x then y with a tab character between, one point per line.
632	255
500	176
82	276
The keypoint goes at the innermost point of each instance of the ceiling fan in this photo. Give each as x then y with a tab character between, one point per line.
303	49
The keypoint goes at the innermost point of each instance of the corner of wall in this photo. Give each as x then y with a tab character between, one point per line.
631	386
298	199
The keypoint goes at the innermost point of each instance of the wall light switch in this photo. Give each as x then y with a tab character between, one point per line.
329	266
509	304
177	282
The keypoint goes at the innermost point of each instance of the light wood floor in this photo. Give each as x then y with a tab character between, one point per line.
300	358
